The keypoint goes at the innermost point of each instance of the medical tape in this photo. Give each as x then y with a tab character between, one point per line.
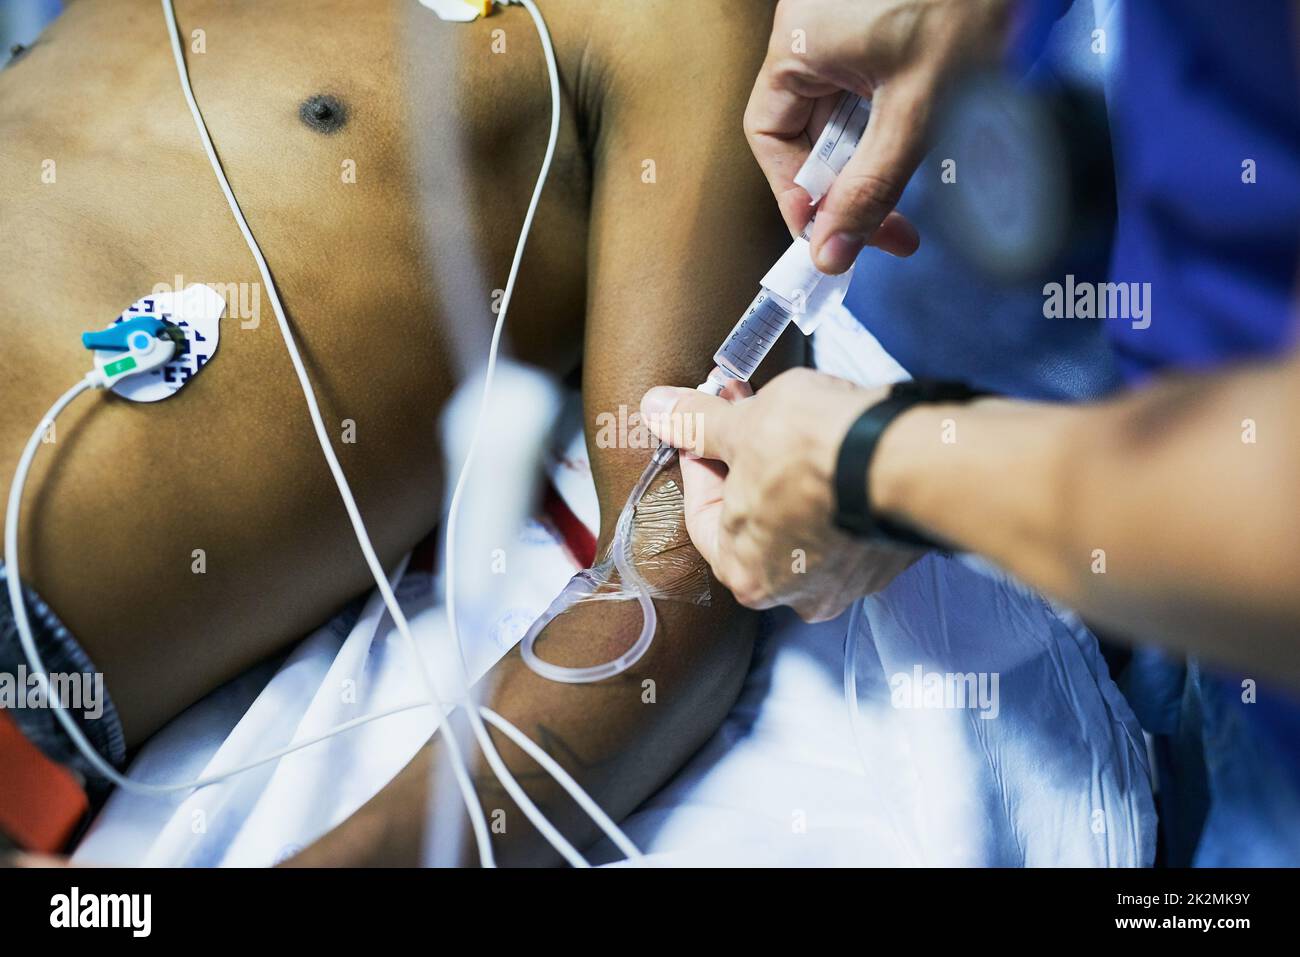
808	294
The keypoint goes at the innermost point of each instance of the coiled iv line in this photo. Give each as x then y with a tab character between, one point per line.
476	714
582	585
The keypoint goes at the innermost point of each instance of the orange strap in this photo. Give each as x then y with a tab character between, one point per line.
41	802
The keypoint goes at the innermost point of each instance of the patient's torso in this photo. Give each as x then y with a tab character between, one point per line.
384	161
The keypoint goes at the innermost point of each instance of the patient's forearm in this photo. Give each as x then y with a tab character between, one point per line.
621	739
1170	515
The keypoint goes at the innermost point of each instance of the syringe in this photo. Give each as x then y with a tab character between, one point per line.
784	298
789	285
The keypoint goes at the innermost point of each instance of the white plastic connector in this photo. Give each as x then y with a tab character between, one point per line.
458	11
145	353
795	279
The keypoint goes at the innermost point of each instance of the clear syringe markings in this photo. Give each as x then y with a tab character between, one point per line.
740	354
753	336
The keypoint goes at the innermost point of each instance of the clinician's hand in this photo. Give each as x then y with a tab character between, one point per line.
760	495
903	52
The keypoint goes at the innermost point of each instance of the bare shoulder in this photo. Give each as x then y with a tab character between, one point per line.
673	54
690	35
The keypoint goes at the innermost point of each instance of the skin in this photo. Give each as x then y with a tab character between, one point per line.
1199	527
628	282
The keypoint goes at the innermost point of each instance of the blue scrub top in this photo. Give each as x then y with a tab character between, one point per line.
941	318
1208	99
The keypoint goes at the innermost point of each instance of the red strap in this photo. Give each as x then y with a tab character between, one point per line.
41	802
576	538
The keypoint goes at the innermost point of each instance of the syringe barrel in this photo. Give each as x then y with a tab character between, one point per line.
753	336
838	139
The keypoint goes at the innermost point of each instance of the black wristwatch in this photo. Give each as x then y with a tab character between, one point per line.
852	497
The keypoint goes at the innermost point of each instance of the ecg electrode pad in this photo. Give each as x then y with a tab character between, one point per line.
195	311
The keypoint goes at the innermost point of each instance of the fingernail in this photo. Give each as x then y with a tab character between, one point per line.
904	239
838	252
659	401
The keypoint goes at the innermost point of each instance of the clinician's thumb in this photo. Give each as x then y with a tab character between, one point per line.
857	209
690	420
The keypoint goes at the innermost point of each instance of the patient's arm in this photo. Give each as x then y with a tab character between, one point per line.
681	231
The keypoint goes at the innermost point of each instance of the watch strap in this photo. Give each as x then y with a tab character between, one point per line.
853	512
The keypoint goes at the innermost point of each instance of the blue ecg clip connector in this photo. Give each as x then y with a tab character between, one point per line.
130	334
117	338
146	343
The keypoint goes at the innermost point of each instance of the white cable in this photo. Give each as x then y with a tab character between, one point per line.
28	643
70	726
490	753
556	771
13	511
14	582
